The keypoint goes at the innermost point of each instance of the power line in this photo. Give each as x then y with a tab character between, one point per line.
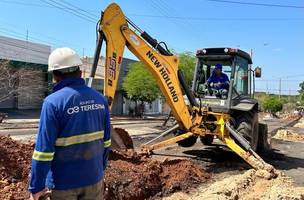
69	10
272	89
258	4
80	9
164	13
24	3
192	27
55	42
23	46
216	19
276	80
9	43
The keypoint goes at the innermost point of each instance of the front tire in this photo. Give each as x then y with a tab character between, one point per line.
188	142
248	127
207	139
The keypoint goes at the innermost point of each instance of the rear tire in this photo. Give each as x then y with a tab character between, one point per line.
207	139
248	127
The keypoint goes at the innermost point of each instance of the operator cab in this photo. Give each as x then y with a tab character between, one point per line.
235	64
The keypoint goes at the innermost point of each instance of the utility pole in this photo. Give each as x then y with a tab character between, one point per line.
280	88
27	45
27	35
83	64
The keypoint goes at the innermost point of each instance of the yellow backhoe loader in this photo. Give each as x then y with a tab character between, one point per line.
203	113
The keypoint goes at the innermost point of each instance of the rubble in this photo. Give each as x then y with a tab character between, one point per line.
247	186
289	135
300	124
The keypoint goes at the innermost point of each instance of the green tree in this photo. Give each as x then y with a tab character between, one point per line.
272	104
187	64
139	84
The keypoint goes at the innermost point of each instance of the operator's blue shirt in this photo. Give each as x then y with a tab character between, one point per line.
219	79
73	139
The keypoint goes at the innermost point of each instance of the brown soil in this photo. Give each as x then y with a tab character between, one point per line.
135	177
129	175
15	160
124	135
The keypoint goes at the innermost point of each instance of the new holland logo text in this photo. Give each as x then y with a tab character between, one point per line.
164	74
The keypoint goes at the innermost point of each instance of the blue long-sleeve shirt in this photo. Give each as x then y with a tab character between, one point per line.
223	79
73	140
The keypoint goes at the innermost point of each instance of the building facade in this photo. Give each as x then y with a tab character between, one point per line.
29	61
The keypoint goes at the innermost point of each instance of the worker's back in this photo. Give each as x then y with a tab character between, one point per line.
79	114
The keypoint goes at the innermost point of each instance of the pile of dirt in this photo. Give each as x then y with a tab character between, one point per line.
129	175
247	186
15	160
300	124
289	136
142	177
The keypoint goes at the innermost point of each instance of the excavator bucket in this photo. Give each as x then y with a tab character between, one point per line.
121	139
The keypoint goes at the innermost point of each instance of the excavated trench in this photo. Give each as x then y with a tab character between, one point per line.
128	176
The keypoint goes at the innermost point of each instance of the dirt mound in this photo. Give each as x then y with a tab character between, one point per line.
15	160
143	178
289	136
300	124
130	175
247	186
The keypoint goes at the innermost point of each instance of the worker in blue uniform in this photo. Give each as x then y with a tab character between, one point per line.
218	80
73	140
218	83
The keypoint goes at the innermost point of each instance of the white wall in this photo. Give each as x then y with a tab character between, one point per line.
19	50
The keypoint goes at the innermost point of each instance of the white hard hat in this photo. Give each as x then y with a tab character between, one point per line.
63	58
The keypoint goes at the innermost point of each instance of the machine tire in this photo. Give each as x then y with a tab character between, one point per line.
188	142
264	144
207	139
248	127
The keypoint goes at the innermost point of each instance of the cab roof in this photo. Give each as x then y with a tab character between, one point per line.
223	52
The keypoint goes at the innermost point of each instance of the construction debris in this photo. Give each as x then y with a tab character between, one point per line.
247	186
289	135
300	124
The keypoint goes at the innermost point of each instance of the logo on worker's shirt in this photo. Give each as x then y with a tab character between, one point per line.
85	106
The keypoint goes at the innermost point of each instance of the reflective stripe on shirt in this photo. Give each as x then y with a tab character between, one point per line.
107	143
78	139
43	156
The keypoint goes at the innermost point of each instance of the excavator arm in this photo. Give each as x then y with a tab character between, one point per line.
119	32
115	30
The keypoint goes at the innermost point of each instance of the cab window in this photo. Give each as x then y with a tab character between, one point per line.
240	86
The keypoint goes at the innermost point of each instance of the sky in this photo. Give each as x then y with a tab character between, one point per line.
273	32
